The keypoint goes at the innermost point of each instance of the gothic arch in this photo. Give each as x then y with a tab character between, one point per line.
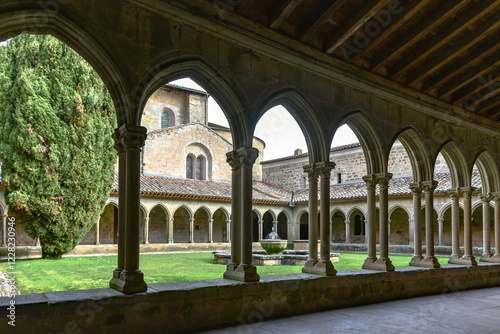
489	171
273	214
185	207
258	213
206	209
455	158
352	210
112	202
334	211
224	210
303	113
211	78
370	140
163	207
286	213
57	25
397	206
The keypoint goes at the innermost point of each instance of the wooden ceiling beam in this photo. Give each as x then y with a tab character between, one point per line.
452	30
425	26
244	6
358	19
475	87
277	20
457	49
313	24
482	95
490	108
473	73
408	10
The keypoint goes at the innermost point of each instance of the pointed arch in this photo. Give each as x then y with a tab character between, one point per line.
286	213
460	173
258	213
163	207
185	207
397	206
354	209
335	210
305	116
272	213
216	83
224	210
370	140
204	208
489	171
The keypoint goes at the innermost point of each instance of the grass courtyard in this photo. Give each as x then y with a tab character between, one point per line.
90	272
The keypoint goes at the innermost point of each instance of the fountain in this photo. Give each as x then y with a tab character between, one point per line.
272	244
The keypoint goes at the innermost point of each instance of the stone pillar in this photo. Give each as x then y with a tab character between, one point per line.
496	256
384	263
4	230
389	232
37	242
416	189
468	258
261	229
171	231
235	230
131	278
440	227
430	261
411	231
371	259
366	229
97	235
324	265
146	230
246	270
210	230
486	198
347	231
228	230
312	260
191	230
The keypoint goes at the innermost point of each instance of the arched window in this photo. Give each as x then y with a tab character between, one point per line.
359	225
189	167
164	120
200	170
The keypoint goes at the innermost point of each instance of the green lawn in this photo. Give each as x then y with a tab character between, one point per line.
75	273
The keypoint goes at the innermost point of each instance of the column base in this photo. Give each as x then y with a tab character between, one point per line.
369	261
468	260
170	241
130	282
322	267
427	262
114	282
490	258
246	273
415	260
383	264
309	266
230	270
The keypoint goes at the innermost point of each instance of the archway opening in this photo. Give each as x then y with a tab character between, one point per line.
399	227
282	226
158	225
267	224
338	227
182	231
219	233
304	226
201	226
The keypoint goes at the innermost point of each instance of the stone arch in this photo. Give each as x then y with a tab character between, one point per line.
282	228
457	164
445	214
224	210
489	171
169	116
256	218
338	221
352	210
201	225
158	224
212	78
477	224
219	227
398	206
435	216
399	226
303	225
56	24
296	104
196	150
182	224
417	151
108	225
337	210
268	218
356	217
368	137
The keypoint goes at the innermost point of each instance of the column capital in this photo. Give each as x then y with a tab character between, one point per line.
416	188
347	222
312	171
466	192
325	167
495	197
486	198
454	194
440	220
211	220
147	218
191	220
118	143
429	186
370	181
131	137
233	161
382	179
247	155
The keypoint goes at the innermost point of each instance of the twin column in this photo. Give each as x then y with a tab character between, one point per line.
240	268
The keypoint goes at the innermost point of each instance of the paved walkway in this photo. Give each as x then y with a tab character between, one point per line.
474	311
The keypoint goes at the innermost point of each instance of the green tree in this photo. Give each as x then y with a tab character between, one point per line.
56	121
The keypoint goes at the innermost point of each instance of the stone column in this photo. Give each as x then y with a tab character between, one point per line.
261	229
411	231
191	230
324	265
347	231
171	231
275	226
4	230
97	227
37	242
131	278
313	174
246	270
371	259
430	261
228	230
468	258
235	230
384	263
389	232
486	198
441	236
416	189
146	230
366	229
496	256
210	230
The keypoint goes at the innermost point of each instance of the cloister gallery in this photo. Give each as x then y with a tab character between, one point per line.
426	83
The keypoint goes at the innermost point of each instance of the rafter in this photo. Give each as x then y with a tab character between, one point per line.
366	12
446	35
475	87
473	73
314	23
487	107
425	26
409	9
277	20
454	51
244	6
483	95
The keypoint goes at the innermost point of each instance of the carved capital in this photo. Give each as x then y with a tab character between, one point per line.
325	168
371	181
383	179
132	137
312	172
466	192
495	197
247	156
118	143
416	188
454	194
429	186
233	161
485	198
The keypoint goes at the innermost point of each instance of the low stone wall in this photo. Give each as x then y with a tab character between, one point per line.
402	249
193	306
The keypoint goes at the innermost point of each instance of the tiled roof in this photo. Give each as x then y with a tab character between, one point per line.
333	149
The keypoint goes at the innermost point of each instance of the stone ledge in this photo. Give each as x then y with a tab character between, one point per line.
194	306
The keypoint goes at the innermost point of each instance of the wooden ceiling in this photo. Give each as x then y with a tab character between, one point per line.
448	49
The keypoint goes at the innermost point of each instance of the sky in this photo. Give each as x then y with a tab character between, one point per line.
277	128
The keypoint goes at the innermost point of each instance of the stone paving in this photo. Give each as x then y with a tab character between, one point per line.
473	311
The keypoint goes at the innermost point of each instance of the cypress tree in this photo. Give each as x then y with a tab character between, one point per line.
56	121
